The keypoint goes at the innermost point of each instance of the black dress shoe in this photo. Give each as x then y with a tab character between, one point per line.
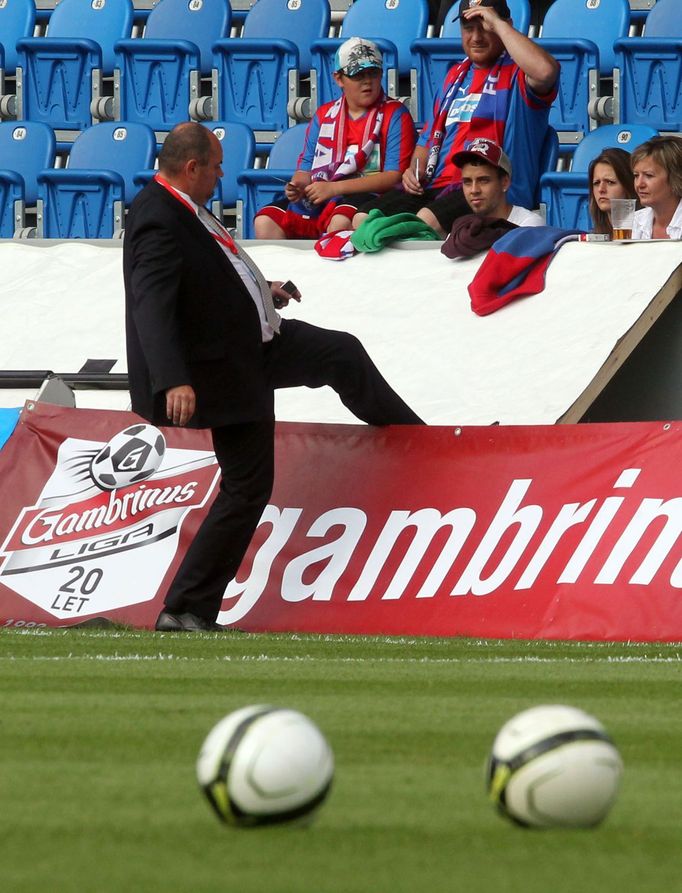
186	623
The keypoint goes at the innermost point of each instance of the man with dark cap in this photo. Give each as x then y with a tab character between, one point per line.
486	180
501	91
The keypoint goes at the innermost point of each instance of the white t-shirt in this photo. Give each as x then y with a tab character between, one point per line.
523	217
643	224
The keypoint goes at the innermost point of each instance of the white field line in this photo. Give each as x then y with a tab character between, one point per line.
266	658
239	635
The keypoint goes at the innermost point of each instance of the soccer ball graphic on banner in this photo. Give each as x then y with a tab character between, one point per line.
263	765
554	766
131	456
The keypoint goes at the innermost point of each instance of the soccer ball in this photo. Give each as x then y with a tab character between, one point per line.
262	765
131	456
553	766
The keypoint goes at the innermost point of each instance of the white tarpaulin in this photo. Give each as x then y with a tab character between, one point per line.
527	363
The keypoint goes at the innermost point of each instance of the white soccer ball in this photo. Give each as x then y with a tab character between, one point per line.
554	766
263	765
131	456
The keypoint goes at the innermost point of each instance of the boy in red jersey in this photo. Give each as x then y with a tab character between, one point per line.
356	148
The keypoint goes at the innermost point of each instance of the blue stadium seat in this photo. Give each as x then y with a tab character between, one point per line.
60	76
565	194
392	25
17	20
239	150
11	202
601	21
520	12
648	81
434	56
26	148
159	75
258	73
258	187
581	37
549	157
87	199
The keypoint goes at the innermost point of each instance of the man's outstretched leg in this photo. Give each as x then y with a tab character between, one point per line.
306	355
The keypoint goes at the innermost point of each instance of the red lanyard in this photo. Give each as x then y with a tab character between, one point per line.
219	233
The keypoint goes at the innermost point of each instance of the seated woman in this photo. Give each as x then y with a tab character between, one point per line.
657	166
609	176
355	148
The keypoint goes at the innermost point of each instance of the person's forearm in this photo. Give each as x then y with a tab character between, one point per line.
301	178
377	182
540	68
420	154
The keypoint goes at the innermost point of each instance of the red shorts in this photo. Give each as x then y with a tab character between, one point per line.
296	226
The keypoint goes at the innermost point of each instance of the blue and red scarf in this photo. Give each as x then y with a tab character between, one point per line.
495	92
516	266
330	160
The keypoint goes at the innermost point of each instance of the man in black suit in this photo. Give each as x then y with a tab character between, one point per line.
206	349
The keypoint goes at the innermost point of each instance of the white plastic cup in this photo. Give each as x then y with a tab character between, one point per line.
622	217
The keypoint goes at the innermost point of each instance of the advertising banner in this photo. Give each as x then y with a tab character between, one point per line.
569	532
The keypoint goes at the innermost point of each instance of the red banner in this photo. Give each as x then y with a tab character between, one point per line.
568	532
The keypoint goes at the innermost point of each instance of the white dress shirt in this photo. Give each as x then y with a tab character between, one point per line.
245	274
643	224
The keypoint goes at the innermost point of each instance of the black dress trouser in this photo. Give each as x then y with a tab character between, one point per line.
301	355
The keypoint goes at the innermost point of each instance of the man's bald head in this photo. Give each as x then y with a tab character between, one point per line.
185	142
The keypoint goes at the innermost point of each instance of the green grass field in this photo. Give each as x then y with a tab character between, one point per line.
99	732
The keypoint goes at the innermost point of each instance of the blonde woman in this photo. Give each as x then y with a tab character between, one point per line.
657	168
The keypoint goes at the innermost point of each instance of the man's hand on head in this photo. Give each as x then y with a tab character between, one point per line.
485	15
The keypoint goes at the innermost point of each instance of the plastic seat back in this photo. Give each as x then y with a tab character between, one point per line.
199	22
286	150
87	199
520	13
392	25
391	20
624	136
239	150
649	70
433	58
549	156
159	75
17	19
664	20
601	21
61	73
114	145
301	22
102	21
258	187
258	74
578	84
26	147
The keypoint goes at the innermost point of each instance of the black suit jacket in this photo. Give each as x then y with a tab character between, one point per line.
189	318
